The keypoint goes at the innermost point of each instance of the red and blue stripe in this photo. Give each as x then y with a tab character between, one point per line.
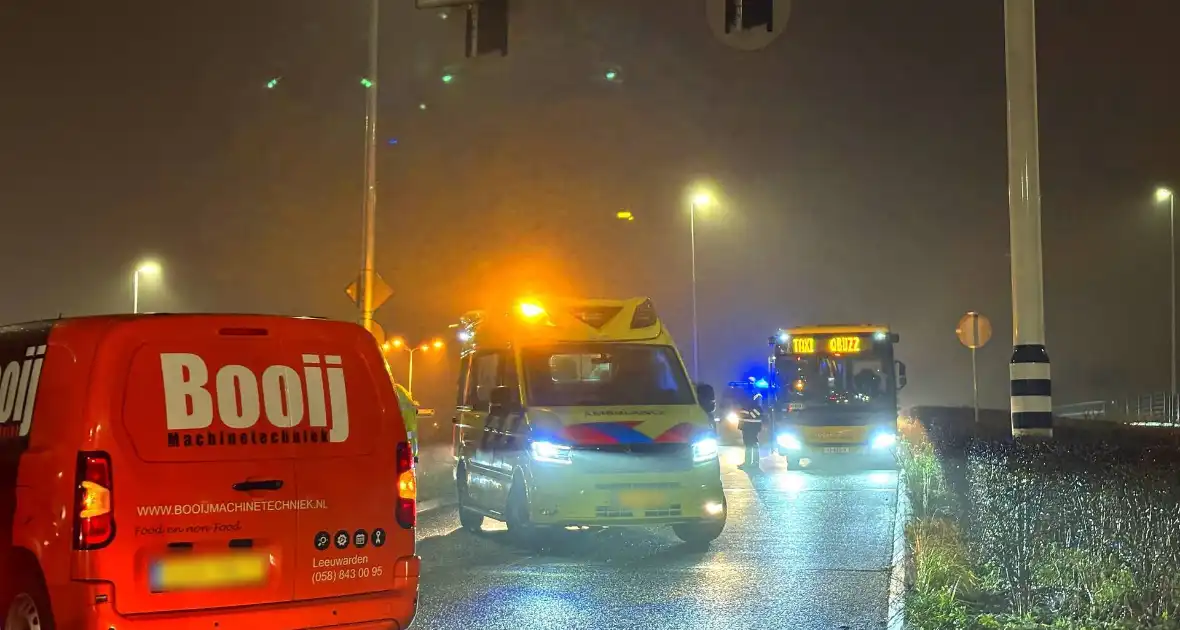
592	433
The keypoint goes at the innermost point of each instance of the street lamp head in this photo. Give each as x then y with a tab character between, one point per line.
424	347
386	346
702	199
437	344
397	342
1163	194
148	268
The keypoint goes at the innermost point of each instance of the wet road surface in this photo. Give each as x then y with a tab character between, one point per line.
800	551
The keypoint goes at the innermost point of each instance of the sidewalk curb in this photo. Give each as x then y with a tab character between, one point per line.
898	574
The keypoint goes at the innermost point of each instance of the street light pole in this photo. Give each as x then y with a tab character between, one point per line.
410	375
696	341
146	268
1166	194
699	199
369	219
1029	373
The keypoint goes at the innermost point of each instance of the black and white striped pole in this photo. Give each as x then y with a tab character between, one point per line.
1032	403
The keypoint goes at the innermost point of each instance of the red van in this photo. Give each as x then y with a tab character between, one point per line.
202	471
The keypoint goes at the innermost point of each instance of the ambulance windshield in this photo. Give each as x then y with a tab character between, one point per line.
605	374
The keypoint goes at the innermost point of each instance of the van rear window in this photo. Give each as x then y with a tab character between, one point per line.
586	375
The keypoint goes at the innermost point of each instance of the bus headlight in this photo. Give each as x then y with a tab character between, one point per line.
788	442
884	440
550	452
704	450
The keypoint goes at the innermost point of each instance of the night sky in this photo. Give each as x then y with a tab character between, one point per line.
860	160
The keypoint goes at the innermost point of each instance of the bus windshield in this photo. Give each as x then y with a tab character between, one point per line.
835	380
588	375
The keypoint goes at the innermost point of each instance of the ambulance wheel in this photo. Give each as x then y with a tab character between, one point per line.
700	533
24	603
471	520
517	517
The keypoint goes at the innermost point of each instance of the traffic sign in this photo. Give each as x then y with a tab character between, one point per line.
381	291
974	330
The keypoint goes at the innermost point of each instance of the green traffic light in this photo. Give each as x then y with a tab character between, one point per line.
270	85
447	78
611	75
366	83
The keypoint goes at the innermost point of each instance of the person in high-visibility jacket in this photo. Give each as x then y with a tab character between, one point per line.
409	409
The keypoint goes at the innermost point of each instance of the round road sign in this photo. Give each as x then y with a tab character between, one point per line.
974	330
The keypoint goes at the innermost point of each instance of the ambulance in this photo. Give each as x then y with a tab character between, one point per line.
580	413
202	471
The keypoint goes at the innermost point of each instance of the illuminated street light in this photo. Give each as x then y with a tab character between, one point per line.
147	268
397	343
1163	194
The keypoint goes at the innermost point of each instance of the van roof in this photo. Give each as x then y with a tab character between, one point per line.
114	317
564	320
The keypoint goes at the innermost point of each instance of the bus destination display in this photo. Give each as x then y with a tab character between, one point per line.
842	344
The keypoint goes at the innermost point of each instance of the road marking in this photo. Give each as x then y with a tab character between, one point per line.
897	573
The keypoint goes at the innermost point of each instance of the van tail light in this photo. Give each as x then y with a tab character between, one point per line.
407	487
94	518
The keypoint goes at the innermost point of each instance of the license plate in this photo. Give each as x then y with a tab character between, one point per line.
641	499
837	449
208	572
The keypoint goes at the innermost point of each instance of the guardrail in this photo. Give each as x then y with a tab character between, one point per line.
1159	409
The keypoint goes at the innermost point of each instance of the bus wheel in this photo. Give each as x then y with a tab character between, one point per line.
700	533
25	602
471	520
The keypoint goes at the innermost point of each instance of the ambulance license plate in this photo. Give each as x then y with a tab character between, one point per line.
640	499
837	449
208	572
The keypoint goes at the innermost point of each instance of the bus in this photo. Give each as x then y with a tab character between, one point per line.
834	393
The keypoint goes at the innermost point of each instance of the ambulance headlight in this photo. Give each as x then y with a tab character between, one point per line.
704	449
884	440
788	442
550	452
732	417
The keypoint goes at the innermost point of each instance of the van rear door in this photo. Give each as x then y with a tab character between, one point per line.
212	416
353	546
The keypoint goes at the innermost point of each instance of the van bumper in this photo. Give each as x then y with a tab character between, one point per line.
638	499
383	610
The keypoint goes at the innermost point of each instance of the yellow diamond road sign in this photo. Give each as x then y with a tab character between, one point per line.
381	291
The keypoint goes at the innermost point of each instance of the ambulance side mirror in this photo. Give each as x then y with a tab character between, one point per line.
707	398
503	401
901	380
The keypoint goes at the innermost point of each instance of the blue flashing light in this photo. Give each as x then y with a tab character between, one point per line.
762	384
